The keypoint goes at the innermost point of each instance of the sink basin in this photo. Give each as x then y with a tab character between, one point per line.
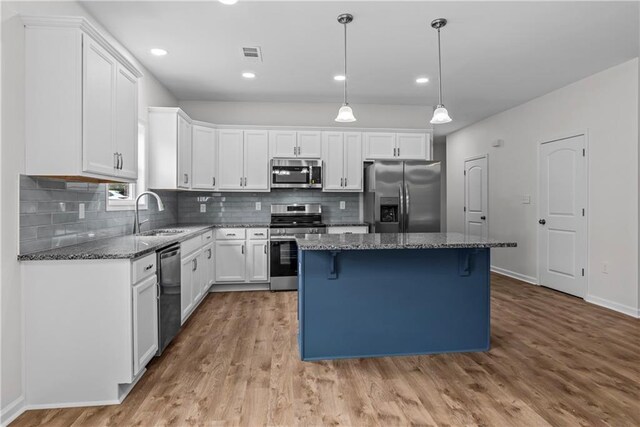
160	233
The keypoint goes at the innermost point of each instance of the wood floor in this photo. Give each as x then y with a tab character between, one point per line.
555	360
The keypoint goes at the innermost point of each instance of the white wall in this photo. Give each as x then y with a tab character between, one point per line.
307	114
12	393
606	106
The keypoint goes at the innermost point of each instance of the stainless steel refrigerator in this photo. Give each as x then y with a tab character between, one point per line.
402	196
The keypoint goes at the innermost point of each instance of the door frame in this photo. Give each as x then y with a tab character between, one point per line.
464	184
587	178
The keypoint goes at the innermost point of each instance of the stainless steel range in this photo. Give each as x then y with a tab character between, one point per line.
286	221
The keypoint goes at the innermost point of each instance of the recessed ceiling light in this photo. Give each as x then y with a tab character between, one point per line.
228	1
249	75
422	80
158	52
339	78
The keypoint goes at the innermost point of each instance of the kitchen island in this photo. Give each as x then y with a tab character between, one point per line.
374	295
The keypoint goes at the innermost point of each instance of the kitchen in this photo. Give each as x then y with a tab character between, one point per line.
275	236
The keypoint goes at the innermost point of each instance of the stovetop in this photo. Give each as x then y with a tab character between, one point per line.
297	218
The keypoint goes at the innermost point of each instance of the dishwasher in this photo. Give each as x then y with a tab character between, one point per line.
169	294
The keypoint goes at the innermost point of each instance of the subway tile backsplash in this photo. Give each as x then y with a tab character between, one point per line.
49	210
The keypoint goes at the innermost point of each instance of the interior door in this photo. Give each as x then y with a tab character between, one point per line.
256	160
184	153
476	196
333	161
230	159
353	161
203	166
562	224
126	117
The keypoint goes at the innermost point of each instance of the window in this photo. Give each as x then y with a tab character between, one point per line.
122	197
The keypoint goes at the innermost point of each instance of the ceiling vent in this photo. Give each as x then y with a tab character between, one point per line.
253	53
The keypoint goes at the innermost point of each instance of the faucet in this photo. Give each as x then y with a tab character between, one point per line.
136	222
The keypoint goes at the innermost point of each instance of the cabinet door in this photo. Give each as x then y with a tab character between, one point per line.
230	261
379	145
126	122
187	273
203	166
310	145
98	110
209	270
353	161
258	260
184	153
145	323
283	143
230	159
333	157
199	276
412	146
256	160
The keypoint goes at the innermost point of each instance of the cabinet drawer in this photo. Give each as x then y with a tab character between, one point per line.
189	246
348	230
144	267
230	234
258	233
207	237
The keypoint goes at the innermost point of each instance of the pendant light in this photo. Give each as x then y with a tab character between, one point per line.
345	114
440	114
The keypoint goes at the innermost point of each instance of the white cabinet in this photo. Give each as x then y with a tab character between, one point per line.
342	156
81	95
397	146
145	322
208	260
196	273
292	144
258	260
199	278
187	277
170	149
342	229
184	153
203	167
243	160
230	261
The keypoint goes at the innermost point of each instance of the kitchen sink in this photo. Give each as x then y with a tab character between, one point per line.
160	233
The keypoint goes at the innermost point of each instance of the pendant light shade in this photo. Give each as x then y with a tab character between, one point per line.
440	114
345	114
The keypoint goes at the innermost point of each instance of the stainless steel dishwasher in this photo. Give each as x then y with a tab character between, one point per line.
168	295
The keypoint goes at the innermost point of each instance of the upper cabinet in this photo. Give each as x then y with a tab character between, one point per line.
295	144
170	149
342	157
397	146
81	103
204	156
244	160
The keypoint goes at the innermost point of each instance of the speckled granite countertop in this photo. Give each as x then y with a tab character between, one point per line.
328	242
126	247
347	224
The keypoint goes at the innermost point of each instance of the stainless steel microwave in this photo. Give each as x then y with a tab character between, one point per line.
296	173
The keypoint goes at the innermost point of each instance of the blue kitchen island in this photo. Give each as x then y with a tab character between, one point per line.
374	295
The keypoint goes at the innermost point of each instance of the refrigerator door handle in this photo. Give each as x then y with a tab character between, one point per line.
406	198
401	219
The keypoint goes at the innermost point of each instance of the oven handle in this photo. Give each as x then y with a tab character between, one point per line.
282	239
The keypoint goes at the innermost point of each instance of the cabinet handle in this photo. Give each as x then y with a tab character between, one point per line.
195	264
394	152
245	181
157	290
186	178
259	234
208	237
240	181
115	160
265	249
209	257
214	181
295	150
121	161
231	234
242	249
148	267
345	182
398	151
341	182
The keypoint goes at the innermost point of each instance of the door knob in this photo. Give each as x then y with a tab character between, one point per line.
483	217
542	221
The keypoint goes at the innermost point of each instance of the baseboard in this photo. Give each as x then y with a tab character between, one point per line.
242	287
620	308
72	404
514	275
12	411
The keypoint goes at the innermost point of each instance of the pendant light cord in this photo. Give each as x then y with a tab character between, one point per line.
439	70
345	63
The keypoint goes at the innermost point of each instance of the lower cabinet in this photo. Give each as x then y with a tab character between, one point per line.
209	266
187	277
230	261
242	255
258	260
196	272
145	322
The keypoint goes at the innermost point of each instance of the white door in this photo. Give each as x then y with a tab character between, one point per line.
476	196
333	158
98	110
353	161
309	144
379	145
562	222
256	160
230	261
283	143
126	117
209	261
258	260
203	166
145	323
184	153
187	273
411	146
230	159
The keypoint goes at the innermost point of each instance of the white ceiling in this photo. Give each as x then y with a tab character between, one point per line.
495	54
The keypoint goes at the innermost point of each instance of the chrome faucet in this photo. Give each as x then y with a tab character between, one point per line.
136	222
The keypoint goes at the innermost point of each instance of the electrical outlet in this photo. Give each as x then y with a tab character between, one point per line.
526	199
343	204
605	267
81	210
203	208
258	206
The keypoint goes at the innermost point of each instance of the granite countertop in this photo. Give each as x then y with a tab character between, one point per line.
328	242
127	247
347	224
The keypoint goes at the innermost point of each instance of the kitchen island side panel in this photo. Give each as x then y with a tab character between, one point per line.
393	302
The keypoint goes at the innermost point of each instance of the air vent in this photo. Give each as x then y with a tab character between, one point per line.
253	53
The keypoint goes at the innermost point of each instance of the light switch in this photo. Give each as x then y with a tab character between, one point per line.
203	208
342	204
258	206
81	211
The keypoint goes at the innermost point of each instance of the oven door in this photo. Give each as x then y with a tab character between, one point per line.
284	264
